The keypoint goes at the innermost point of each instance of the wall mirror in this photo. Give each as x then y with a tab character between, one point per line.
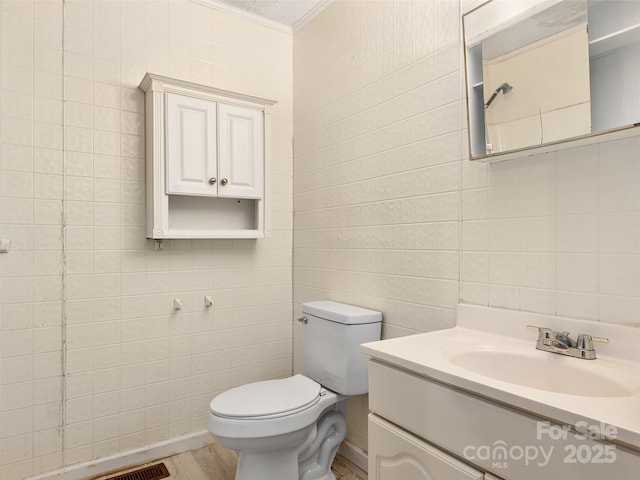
540	72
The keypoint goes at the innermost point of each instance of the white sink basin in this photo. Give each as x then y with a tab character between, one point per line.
492	354
550	372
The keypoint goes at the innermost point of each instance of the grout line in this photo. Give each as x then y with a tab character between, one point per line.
598	254
33	209
63	227
461	105
2	199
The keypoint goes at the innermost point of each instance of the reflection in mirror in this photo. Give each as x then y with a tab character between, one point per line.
537	75
551	44
614	49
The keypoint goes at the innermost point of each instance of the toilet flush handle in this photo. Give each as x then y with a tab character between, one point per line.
302	319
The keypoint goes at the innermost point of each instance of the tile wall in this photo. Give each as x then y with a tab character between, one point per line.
556	233
80	270
377	136
31	215
391	215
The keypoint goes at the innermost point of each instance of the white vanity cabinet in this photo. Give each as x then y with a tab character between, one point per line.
423	429
395	454
208	158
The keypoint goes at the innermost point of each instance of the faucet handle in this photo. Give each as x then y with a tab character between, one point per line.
549	336
537	329
543	332
585	341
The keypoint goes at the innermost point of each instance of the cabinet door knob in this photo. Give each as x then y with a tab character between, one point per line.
212	180
224	181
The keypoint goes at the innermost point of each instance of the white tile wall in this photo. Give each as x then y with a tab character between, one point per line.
562	230
390	215
377	165
31	160
72	195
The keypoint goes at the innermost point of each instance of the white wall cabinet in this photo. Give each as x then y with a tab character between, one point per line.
208	158
395	454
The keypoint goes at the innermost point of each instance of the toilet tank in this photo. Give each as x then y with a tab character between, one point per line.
333	333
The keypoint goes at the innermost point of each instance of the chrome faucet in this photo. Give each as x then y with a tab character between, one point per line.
560	342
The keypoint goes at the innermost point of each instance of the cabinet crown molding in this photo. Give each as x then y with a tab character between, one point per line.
160	83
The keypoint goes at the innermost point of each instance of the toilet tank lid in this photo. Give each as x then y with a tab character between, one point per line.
341	312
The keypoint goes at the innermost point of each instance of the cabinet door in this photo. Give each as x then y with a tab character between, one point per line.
241	152
191	165
395	454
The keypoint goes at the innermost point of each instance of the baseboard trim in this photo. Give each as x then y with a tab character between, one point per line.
355	455
130	458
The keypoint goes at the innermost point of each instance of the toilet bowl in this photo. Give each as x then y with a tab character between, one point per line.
291	428
291	432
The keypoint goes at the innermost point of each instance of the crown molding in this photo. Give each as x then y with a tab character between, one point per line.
266	22
320	7
252	17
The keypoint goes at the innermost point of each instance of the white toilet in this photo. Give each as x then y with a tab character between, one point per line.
291	428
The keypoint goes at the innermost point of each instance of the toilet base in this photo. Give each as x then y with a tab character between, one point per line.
328	476
267	466
275	459
316	457
306	454
271	467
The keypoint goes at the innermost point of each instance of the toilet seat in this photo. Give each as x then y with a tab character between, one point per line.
268	399
269	408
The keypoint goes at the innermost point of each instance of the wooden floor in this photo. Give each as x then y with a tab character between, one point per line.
214	462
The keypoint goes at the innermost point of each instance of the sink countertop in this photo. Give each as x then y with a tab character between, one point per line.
430	354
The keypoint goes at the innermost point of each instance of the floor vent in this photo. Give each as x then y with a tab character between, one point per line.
154	472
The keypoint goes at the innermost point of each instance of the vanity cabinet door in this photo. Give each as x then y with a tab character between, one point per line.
395	454
191	146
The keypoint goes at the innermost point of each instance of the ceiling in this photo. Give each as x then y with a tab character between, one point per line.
287	12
